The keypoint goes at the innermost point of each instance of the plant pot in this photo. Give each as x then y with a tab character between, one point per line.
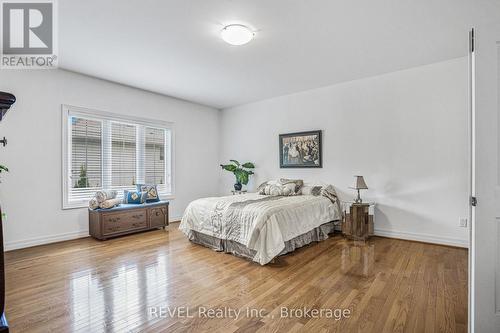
237	187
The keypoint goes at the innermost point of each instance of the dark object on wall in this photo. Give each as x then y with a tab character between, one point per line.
6	101
4	327
301	150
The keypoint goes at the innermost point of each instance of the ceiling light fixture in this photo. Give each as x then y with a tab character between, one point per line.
237	34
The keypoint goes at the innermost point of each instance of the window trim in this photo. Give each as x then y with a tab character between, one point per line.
72	110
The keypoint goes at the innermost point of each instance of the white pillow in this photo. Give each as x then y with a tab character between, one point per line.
278	189
269	182
311	190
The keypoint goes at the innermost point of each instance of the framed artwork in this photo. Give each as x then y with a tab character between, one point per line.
301	150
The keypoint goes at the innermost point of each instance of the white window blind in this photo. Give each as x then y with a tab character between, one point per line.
104	151
123	155
86	157
155	156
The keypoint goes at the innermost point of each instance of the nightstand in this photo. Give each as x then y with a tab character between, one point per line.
357	223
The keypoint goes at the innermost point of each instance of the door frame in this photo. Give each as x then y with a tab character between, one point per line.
472	177
484	269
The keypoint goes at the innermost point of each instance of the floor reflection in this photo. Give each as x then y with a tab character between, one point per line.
358	258
117	297
90	286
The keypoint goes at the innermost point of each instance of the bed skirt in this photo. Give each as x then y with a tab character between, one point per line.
228	246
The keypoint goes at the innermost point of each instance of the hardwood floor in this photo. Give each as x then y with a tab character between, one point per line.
86	285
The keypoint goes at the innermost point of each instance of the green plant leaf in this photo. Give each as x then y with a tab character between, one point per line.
4	168
249	165
235	162
229	167
237	174
244	178
241	176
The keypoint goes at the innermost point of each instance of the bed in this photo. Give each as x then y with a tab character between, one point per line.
261	227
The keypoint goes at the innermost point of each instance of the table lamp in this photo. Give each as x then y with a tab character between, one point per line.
359	184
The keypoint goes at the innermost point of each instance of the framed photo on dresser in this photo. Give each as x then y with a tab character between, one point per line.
300	150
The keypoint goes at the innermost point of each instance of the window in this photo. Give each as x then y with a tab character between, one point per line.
106	151
123	155
155	156
86	156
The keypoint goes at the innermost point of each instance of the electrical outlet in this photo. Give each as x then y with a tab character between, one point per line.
463	222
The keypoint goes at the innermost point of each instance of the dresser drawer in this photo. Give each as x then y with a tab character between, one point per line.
124	221
158	217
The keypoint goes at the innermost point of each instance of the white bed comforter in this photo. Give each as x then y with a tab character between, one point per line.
262	223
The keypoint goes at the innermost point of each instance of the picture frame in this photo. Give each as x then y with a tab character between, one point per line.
301	150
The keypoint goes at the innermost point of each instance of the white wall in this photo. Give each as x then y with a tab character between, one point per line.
405	131
31	193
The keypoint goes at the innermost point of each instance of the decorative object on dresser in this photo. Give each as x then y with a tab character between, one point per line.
242	172
105	199
300	150
358	223
6	101
134	197
127	218
359	184
150	190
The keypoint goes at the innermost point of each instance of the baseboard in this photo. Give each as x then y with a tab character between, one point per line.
24	243
174	219
21	244
423	237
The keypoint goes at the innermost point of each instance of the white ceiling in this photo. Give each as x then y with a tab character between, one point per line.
173	46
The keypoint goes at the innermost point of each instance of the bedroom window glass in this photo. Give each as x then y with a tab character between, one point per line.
155	156
106	151
123	155
86	157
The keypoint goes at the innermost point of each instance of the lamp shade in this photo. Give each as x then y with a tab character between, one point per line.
359	183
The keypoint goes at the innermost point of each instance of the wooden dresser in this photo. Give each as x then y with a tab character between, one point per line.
127	219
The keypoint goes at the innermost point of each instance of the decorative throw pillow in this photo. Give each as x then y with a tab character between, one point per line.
311	190
278	189
103	195
261	186
106	204
269	182
134	197
329	192
152	192
93	204
298	183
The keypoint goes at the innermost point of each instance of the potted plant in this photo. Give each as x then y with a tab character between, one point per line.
242	172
